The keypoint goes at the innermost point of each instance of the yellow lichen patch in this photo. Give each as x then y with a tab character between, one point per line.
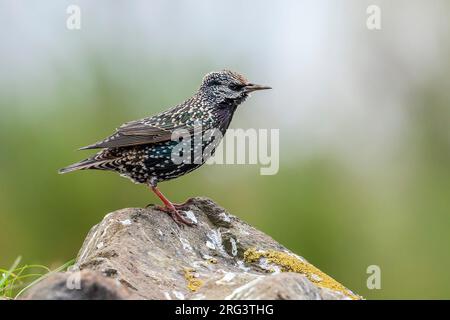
193	283
290	263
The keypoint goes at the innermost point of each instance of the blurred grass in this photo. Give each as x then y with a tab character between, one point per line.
341	218
15	281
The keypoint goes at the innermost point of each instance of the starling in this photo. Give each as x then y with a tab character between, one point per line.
141	150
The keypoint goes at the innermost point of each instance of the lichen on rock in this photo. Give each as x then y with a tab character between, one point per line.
290	263
193	283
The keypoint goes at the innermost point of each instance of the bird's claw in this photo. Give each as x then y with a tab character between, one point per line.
175	215
180	206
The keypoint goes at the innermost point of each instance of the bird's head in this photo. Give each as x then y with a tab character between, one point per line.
227	87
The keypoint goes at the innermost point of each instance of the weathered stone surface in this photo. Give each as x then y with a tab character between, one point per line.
84	285
222	257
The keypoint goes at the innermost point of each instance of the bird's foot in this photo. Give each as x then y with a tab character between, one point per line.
175	215
178	206
181	206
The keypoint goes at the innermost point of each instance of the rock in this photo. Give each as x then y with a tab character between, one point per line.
84	285
141	253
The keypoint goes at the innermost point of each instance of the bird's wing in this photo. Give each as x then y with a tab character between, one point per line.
139	132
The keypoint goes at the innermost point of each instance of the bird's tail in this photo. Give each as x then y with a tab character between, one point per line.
101	161
84	164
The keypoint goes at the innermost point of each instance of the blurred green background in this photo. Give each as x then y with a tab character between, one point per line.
363	115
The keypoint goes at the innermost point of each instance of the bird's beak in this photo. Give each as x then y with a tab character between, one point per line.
254	87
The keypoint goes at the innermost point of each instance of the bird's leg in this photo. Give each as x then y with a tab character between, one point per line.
178	206
170	208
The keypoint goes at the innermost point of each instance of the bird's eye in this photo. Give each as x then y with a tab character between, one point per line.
235	87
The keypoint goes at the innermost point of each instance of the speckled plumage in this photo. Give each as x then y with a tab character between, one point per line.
141	150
